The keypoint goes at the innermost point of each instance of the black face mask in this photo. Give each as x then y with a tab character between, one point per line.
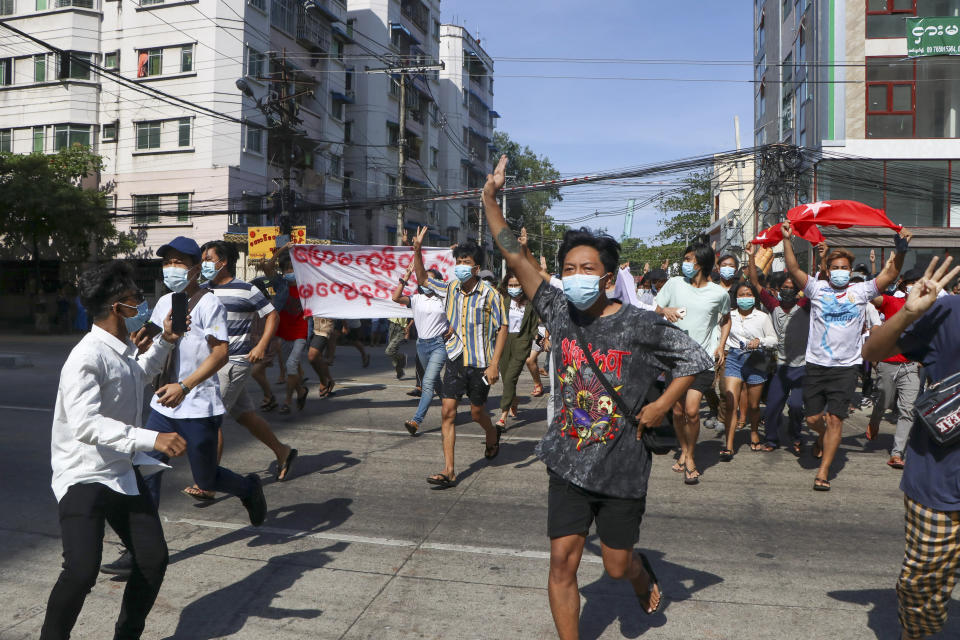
788	296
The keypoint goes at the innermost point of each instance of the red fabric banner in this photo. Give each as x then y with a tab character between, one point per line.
841	214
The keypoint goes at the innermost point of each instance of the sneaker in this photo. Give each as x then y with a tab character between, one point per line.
256	503
122	567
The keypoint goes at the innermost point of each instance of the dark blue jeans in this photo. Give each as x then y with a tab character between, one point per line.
786	388
201	437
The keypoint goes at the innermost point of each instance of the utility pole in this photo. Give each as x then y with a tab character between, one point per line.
402	71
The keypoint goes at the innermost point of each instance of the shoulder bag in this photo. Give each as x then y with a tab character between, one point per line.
938	408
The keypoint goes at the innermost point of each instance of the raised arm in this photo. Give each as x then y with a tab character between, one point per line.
891	270
418	267
507	243
798	275
751	250
398	296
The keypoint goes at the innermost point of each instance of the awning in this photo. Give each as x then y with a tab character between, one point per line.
923	237
494	114
396	26
336	95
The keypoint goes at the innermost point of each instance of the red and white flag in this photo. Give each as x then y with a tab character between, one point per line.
842	214
774	235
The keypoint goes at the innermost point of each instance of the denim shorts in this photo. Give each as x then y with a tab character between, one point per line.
736	367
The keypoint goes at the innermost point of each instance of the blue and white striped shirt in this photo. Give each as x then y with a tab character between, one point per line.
475	318
242	301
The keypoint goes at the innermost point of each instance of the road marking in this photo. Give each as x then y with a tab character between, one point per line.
17	408
503	552
405	434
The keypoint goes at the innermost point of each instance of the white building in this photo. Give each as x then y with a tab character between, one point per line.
175	169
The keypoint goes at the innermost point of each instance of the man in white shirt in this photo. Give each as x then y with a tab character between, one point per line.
97	452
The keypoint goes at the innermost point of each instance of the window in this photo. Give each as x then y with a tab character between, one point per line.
146	209
40	68
393	134
67	135
258	4
283	15
148	135
109	132
149	63
391	185
787	8
348	131
338	49
145	3
886	18
111	60
6	71
891	106
255	63
788	69
336	166
336	108
802	46
6	141
7	7
436	30
351	23
760	35
254	142
39	140
41	5
183	207
74	66
83	4
186	59
348	81
183	132
394	86
434	157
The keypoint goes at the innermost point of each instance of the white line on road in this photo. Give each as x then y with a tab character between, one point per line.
17	408
503	552
394	432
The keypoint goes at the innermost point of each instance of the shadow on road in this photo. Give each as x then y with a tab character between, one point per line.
328	462
610	601
882	617
226	611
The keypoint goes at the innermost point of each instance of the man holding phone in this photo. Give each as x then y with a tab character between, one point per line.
474	343
187	401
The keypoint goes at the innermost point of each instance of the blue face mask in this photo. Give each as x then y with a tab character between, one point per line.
581	290
514	291
839	277
135	323
175	278
746	303
290	277
463	272
688	269
727	272
209	270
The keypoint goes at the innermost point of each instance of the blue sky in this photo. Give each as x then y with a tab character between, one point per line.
586	125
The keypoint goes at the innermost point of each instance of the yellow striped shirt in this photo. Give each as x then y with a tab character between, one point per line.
475	318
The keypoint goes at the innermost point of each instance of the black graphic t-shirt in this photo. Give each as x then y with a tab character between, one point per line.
589	443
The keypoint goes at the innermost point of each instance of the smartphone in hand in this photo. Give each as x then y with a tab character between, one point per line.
179	320
484	379
152	330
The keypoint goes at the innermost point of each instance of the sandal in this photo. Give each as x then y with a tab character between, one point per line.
412	427
537	391
284	409
677	467
817	449
268	404
441	480
872	430
513	411
302	398
795	447
490	451
197	493
820	485
689	477
766	448
323	392
365	359
651	583
283	470
726	455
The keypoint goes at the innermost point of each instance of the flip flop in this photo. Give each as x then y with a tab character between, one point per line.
820	485
677	467
268	404
302	398
726	455
199	494
537	390
653	582
689	478
323	392
365	359
441	480
286	466
490	451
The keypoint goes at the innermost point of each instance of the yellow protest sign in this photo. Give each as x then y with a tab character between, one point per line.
262	241
298	235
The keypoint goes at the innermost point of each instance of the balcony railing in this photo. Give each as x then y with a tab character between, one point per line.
312	31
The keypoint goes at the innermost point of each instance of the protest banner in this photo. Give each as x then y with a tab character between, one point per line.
298	235
261	242
356	282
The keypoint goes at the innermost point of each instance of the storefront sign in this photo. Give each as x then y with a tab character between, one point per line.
933	37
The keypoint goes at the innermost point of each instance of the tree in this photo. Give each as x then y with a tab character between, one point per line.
530	209
688	209
46	212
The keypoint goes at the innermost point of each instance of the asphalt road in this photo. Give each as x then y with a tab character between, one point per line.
357	545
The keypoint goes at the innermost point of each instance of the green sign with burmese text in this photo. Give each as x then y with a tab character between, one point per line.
933	37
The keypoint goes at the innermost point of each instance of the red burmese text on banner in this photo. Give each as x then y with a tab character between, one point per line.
354	281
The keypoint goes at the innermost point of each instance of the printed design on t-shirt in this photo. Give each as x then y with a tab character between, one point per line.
588	413
838	310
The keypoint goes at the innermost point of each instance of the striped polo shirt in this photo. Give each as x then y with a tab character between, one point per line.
475	318
243	302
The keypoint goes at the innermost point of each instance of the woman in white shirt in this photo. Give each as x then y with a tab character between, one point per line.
522	329
751	333
430	319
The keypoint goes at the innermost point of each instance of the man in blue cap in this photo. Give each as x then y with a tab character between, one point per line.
187	399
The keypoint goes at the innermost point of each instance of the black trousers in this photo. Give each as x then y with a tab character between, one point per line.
83	511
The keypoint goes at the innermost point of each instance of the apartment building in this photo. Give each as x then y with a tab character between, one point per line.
174	169
878	125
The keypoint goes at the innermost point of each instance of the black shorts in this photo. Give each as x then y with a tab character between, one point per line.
830	389
571	510
459	380
702	382
319	342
